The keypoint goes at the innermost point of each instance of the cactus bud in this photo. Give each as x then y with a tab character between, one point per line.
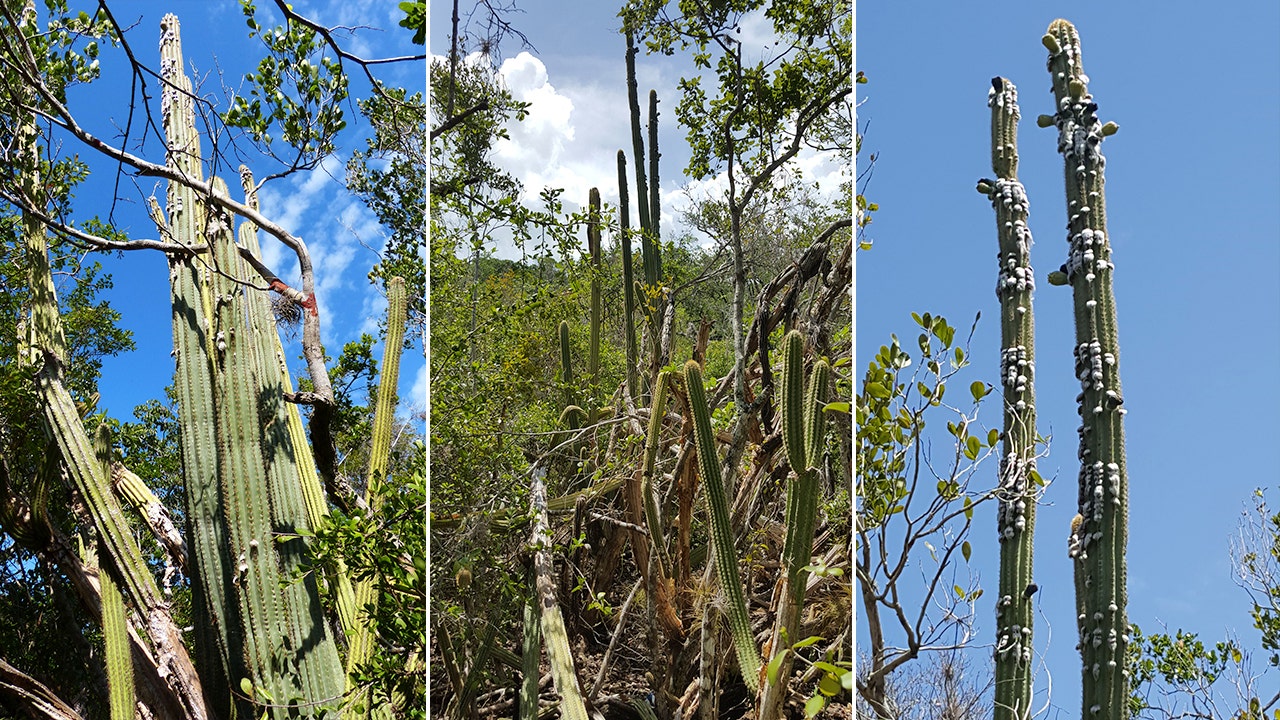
1045	121
1051	44
1110	129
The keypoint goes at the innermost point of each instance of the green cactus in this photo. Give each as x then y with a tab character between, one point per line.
1017	492
115	633
650	464
317	508
366	592
597	268
803	428
246	535
566	366
726	559
1098	540
648	205
115	627
628	279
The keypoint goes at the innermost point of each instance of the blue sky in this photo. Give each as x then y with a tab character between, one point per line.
1193	208
342	234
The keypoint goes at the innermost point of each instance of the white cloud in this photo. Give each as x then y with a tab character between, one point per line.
535	146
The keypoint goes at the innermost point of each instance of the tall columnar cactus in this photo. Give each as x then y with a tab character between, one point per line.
366	591
647	202
803	428
628	279
726	559
566	364
597	268
1100	534
247	514
1015	516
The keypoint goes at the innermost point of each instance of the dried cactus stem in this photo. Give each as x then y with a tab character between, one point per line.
1099	542
1016	492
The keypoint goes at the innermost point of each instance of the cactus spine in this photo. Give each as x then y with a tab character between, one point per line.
1016	492
725	557
1097	543
803	428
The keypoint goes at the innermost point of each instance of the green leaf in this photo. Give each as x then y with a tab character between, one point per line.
972	446
979	390
774	665
959	591
968	508
992	437
839	406
829	685
966	550
811	640
814	705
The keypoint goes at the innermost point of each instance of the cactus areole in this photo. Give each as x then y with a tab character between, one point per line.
1099	536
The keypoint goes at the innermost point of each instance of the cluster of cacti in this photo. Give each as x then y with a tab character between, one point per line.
669	589
803	428
1016	493
649	209
1098	539
267	640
